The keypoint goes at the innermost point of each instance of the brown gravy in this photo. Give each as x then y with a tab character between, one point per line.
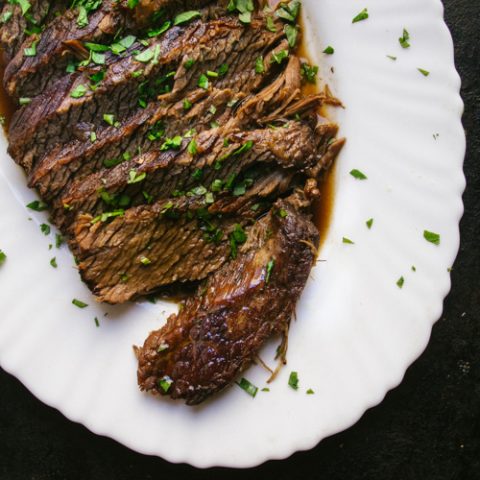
7	107
323	207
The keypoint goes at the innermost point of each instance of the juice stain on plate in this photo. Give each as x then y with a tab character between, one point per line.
323	207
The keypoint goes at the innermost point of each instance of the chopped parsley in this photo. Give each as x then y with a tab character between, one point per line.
237	237
310	391
259	65
293	380
288	12
192	148
25	5
31	51
58	240
79	91
145	261
279	56
431	237
53	262
135	177
45	229
244	9
172	143
107	215
347	241
155	32
84	7
223	69
400	282
269	270
369	223
249	387
363	15
189	63
110	119
3	257
291	32
145	56
6	16
404	39
186	17
270	24
79	303
309	72
37	206
203	81
358	174
329	50
248	145
165	383
425	73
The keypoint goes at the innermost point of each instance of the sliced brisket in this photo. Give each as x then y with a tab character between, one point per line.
176	146
20	20
142	131
175	240
57	46
54	117
219	332
147	129
64	43
219	162
145	10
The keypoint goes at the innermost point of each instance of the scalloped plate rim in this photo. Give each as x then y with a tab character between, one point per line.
387	386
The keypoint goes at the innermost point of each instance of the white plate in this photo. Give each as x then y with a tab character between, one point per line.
356	332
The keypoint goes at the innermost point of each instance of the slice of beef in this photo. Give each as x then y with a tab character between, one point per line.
62	44
145	10
148	129
175	240
56	46
219	162
82	157
219	332
18	23
52	118
144	249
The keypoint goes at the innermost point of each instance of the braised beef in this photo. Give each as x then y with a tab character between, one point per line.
176	148
219	331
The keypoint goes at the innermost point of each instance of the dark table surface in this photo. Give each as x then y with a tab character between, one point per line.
427	428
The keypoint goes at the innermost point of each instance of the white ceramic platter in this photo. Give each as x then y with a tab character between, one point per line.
356	332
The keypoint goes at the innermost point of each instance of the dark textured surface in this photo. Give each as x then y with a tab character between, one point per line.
427	428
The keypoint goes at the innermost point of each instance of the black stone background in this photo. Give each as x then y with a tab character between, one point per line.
427	428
